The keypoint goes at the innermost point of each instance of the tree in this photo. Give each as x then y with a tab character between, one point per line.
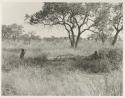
11	31
109	18
101	28
16	31
117	20
31	35
75	17
24	38
100	36
5	31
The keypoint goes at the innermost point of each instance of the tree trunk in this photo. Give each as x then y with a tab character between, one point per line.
115	38
78	36
70	40
77	40
73	37
71	43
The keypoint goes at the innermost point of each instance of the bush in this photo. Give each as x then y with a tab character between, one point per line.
94	66
13	61
112	54
39	60
10	62
105	61
115	56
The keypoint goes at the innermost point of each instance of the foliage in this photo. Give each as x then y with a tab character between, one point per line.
5	31
75	17
28	37
15	62
12	31
117	20
105	61
36	61
54	77
101	30
99	37
111	16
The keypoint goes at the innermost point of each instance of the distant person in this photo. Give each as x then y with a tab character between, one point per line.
96	56
22	54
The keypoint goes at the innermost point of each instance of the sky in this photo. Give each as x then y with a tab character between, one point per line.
14	12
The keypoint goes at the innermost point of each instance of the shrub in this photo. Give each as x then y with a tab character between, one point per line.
107	60
13	61
39	60
94	66
115	56
10	62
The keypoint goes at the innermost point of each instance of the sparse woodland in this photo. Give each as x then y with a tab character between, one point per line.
71	65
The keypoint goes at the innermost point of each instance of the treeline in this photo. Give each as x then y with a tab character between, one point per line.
16	32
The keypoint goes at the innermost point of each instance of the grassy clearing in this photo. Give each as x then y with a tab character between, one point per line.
37	76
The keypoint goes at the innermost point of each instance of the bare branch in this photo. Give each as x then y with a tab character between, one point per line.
121	28
93	31
84	20
76	21
115	27
87	28
64	22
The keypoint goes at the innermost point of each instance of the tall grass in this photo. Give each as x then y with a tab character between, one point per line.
35	75
52	81
105	60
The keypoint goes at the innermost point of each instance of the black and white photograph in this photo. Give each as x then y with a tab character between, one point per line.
62	48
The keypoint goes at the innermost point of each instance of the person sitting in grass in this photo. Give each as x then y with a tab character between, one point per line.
22	54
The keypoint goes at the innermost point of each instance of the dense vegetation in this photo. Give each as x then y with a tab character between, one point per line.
37	75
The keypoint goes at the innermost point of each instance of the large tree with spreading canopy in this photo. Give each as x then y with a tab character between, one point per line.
76	18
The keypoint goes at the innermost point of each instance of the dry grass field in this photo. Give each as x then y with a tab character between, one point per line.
36	75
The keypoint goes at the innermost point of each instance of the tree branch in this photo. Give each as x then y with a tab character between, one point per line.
87	28
93	31
119	20
64	22
84	20
76	21
121	28
115	27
